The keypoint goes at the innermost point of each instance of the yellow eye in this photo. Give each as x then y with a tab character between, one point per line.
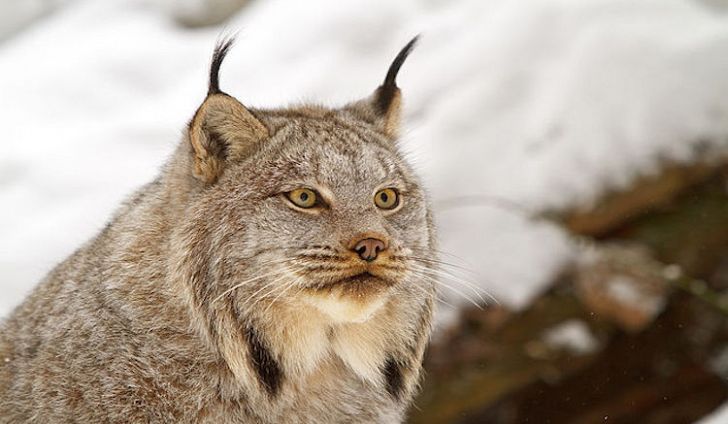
386	198
303	197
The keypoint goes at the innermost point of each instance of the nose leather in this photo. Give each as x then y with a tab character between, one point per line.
369	248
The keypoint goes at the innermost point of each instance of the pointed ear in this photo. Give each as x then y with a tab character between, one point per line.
222	128
384	107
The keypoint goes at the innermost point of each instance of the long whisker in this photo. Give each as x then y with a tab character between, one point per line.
445	272
460	278
250	280
427	251
471	285
291	284
466	269
456	279
274	261
440	262
436	281
275	249
437	297
282	274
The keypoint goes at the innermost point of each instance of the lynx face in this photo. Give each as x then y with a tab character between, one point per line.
309	206
333	213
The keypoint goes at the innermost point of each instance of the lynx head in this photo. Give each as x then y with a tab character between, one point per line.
306	209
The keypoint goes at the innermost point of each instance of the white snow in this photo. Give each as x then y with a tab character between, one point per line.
719	416
628	292
18	14
541	104
573	336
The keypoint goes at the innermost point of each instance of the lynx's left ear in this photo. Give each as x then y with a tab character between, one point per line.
384	107
222	128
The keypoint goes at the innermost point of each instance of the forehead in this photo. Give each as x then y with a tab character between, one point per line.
335	153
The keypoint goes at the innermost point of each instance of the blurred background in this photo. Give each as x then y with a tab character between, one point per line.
575	150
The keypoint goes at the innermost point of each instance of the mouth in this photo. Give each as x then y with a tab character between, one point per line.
361	278
362	282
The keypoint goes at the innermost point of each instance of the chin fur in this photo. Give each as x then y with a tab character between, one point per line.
344	307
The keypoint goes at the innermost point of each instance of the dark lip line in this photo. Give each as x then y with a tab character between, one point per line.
349	279
365	274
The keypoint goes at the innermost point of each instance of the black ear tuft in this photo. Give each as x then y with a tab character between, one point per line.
221	50
386	92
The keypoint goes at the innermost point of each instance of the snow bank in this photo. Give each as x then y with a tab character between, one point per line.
16	15
719	416
542	104
572	336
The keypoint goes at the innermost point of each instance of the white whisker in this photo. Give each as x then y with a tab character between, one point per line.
287	287
272	284
459	280
436	281
237	286
437	298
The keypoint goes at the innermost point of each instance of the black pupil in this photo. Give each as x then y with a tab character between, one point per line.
303	196
384	197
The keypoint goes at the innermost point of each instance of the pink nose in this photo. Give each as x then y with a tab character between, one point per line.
369	248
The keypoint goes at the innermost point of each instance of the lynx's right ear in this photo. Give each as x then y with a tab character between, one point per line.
222	128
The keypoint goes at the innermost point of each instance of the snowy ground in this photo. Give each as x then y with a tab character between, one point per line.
719	416
543	104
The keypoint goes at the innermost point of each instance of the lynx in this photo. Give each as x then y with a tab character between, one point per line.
278	270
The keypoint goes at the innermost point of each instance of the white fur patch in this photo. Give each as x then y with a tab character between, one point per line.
346	309
363	347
